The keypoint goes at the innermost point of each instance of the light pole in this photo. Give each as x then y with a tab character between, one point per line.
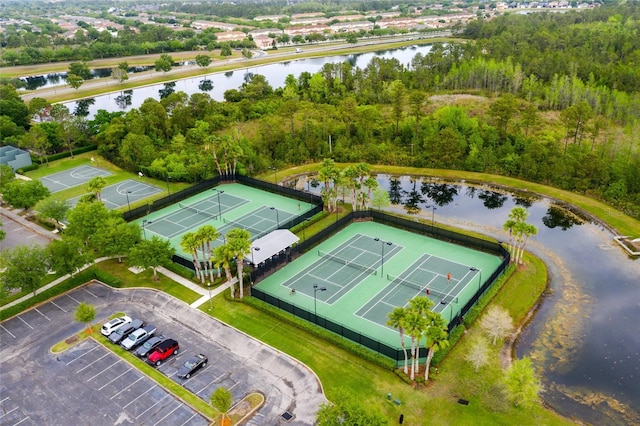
479	271
209	287
433	213
219	205
315	301
275	179
277	216
382	255
145	222
304	234
128	203
168	180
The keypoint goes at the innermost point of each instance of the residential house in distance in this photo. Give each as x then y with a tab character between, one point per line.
342	27
319	20
264	42
273	18
231	36
262	32
306	15
304	30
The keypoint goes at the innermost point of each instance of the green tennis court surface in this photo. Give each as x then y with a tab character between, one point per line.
226	207
359	295
73	177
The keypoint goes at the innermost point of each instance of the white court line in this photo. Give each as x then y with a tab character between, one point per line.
78	357
126	388
9	412
89	365
139	396
59	307
32	236
25	323
170	413
26	418
102	371
187	421
115	378
71	297
36	309
157	402
89	292
10	333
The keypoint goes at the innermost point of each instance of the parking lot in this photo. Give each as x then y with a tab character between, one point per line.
92	385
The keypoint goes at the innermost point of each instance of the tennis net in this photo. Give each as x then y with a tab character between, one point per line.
196	211
423	288
255	232
346	262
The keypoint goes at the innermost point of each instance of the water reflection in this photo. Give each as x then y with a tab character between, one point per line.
167	89
491	199
440	193
82	107
413	199
558	217
206	85
123	100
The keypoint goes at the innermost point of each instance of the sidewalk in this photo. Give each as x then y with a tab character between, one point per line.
189	284
11	215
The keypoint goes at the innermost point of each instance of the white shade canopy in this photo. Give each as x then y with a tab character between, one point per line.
271	244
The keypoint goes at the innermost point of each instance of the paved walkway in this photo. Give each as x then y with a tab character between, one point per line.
206	294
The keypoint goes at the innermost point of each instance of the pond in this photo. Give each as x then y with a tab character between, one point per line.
585	338
216	84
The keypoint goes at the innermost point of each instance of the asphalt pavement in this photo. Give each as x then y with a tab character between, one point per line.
87	384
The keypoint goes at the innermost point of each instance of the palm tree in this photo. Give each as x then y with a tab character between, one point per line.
526	231
421	304
437	338
396	320
207	234
414	325
508	226
239	241
222	258
96	185
189	243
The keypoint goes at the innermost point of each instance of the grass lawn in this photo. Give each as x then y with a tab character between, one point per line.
433	404
145	279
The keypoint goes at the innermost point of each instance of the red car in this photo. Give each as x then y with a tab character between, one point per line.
163	351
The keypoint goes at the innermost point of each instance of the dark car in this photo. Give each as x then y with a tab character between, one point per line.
163	351
148	346
124	330
192	365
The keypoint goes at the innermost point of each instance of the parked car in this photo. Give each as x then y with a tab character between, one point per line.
163	351
192	365
110	327
124	330
138	337
148	346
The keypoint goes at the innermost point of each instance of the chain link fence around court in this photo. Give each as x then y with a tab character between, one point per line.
371	342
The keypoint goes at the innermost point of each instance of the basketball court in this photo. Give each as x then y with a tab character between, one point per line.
72	177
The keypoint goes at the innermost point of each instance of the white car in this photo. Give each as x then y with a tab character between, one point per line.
109	327
138	337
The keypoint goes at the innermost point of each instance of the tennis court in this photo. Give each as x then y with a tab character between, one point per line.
225	207
123	194
72	177
359	275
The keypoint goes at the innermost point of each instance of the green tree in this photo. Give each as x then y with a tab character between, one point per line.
207	234
436	338
96	185
68	255
396	319
25	267
116	237
247	53
189	243
151	253
222	258
86	219
203	60
164	63
221	400
24	194
7	175
502	111
53	209
225	50
75	81
36	140
349	411
522	384
380	198
81	69
39	108
85	313
397	96
239	241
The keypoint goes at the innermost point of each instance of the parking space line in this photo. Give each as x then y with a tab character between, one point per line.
25	322
114	379
89	292
126	388
210	383
36	309
26	418
189	419
233	386
4	399
77	358
170	413
138	397
10	333
103	370
59	307
71	297
157	402
9	412
89	365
